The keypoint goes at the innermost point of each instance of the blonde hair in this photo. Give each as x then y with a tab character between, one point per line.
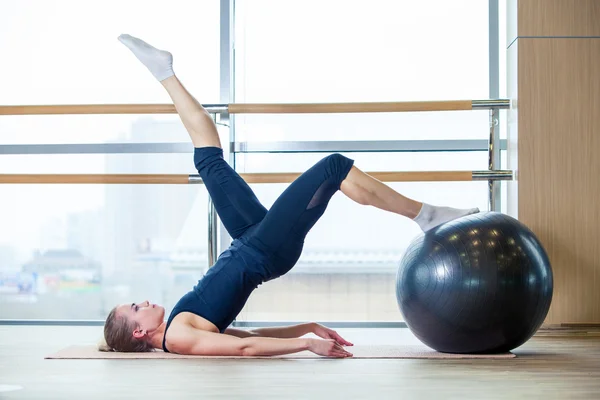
118	335
103	346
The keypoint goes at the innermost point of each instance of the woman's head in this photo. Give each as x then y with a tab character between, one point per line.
129	326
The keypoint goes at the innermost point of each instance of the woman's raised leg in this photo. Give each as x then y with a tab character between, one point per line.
195	118
235	202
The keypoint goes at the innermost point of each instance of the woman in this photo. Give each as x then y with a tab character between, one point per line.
266	244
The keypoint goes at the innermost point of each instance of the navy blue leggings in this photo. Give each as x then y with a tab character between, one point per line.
279	232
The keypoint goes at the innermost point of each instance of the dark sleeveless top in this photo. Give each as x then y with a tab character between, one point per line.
222	292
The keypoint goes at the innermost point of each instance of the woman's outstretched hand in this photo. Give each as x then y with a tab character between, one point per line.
328	348
326	333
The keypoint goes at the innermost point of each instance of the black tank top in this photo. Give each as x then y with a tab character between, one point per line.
222	292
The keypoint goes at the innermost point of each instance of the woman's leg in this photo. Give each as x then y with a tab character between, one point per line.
237	205
195	118
301	205
281	233
366	190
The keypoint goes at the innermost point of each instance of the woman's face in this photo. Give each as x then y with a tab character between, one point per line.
148	317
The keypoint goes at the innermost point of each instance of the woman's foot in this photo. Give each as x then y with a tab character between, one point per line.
159	62
431	216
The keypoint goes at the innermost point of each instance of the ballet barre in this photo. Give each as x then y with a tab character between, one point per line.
251	178
248	108
491	175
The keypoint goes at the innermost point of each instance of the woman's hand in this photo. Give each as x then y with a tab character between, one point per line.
326	333
327	348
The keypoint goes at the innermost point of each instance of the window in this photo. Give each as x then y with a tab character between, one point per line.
348	267
340	51
75	251
67	52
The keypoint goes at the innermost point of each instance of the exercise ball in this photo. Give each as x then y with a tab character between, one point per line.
478	284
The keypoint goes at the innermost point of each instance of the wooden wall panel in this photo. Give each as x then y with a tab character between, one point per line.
557	17
559	166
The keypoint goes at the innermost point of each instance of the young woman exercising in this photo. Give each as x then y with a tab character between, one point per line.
266	244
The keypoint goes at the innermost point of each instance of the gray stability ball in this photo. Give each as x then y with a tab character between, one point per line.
478	284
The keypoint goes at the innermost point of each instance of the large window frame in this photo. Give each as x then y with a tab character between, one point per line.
227	96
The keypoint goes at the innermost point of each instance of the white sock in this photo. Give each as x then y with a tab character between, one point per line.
159	62
431	216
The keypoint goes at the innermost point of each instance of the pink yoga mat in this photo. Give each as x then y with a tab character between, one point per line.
386	351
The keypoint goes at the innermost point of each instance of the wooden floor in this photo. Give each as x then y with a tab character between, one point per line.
546	367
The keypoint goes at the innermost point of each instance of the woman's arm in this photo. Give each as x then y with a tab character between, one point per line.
285	332
294	331
188	340
262	346
282	332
